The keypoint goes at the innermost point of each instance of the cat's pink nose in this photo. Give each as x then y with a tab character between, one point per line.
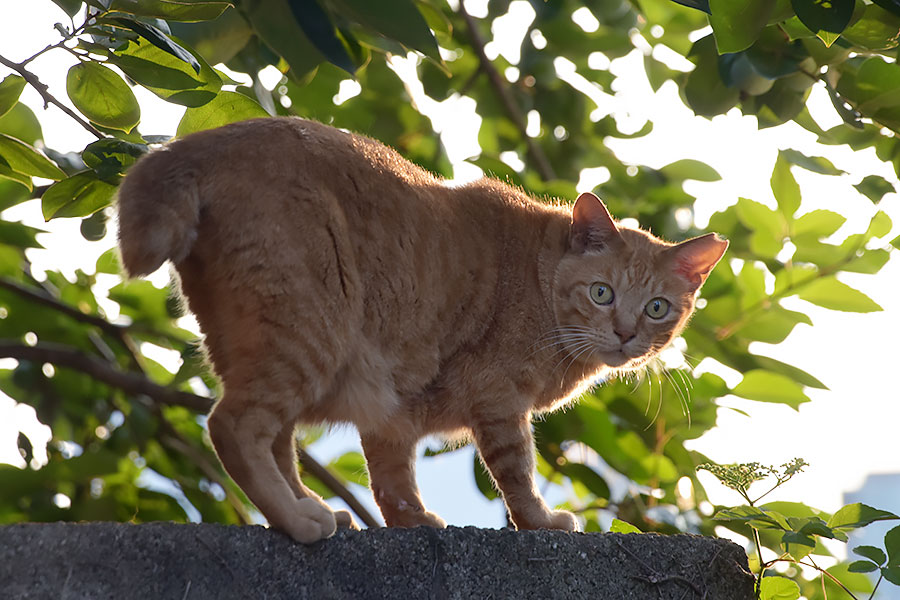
625	335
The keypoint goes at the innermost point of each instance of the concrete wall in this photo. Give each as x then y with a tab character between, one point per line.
67	561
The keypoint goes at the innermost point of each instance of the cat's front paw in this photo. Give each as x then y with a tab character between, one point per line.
562	519
313	521
547	519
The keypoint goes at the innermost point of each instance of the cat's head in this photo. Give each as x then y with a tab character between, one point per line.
620	294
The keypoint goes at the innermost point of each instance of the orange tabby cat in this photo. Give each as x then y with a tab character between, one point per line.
335	282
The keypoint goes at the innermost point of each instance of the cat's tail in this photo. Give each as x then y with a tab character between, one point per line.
159	210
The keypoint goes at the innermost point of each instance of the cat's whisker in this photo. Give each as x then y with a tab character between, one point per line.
685	408
588	348
561	336
572	353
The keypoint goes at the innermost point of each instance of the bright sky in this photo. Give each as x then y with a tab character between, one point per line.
844	433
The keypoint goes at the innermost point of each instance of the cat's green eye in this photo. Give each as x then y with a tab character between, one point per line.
657	308
601	293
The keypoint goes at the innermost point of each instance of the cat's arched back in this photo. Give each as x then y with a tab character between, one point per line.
336	282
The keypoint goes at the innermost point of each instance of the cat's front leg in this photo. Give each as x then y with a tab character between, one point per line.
392	475
507	448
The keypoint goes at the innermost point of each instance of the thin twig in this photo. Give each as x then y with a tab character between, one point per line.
42	88
317	470
541	163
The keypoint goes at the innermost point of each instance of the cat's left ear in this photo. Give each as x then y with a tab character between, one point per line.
695	258
592	226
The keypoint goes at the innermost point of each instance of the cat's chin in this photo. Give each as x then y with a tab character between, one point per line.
619	360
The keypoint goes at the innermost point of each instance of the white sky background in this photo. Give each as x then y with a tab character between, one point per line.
844	433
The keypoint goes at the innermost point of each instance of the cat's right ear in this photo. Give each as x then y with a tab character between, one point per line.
592	226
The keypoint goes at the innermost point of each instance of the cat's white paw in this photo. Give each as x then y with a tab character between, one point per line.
312	522
563	519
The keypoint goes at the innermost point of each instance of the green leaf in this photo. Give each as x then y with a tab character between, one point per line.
874	187
351	467
896	242
765	386
7	172
737	24
174	10
80	195
818	223
892	545
320	31
785	187
10	89
102	96
816	164
875	30
828	292
858	515
274	22
819	15
109	157
159	39
773	325
21	124
623	527
19	235
892	574
704	90
687	168
495	167
226	107
875	91
22	158
218	40
71	7
874	554
757	216
870	262
880	225
755	517
862	566
169	78
396	19
778	588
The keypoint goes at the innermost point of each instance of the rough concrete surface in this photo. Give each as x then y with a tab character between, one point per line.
68	561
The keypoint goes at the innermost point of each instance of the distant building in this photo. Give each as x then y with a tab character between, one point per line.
882	491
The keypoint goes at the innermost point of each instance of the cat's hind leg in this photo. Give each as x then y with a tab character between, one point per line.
284	448
392	475
244	432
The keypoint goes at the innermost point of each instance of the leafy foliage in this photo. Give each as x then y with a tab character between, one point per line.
798	529
128	435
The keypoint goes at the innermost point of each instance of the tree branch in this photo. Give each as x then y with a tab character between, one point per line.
41	88
132	383
100	370
320	472
541	163
42	297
